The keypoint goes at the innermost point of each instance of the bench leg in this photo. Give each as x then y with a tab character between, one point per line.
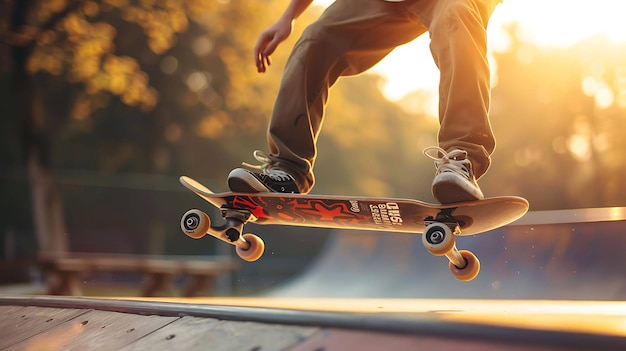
198	284
65	283
158	282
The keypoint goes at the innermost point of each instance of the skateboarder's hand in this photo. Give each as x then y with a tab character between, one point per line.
268	41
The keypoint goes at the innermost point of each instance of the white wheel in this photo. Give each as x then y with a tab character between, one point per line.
256	249
471	269
195	224
438	239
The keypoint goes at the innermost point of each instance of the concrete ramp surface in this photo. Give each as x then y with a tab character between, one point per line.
527	261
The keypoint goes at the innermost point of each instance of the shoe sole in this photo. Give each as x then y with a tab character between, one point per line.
451	193
447	190
241	181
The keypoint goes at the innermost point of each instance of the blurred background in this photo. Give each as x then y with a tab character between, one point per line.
104	104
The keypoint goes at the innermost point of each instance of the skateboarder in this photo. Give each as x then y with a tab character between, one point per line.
349	38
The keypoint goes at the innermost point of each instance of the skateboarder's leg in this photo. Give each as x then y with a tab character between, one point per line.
459	48
349	37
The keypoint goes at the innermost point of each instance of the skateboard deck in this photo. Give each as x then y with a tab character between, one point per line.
440	222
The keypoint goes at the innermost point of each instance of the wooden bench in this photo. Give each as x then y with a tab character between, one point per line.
65	273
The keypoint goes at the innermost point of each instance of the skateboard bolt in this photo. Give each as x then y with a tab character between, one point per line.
436	236
192	221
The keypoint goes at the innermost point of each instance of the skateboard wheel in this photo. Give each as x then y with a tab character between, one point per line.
471	269
256	249
438	239
195	224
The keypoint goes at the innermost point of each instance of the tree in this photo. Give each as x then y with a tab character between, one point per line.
560	120
97	55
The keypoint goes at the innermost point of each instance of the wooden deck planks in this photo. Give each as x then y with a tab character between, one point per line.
77	329
18	323
191	333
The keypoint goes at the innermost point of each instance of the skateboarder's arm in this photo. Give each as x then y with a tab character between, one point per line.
296	8
278	32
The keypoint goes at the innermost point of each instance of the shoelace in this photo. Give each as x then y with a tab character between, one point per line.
455	161
264	167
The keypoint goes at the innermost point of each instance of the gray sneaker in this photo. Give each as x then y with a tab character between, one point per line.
260	179
454	180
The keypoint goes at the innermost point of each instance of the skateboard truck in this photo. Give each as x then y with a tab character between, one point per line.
249	247
438	239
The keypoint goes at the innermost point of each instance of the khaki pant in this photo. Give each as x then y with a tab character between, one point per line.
353	35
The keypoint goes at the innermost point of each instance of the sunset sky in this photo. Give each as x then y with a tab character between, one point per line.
544	22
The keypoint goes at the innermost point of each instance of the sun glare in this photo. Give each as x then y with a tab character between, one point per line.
562	23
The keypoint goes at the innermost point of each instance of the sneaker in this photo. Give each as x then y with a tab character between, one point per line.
261	179
454	180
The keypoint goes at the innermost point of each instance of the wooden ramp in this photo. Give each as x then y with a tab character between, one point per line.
59	323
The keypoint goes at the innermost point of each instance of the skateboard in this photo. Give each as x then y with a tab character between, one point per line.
439	224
